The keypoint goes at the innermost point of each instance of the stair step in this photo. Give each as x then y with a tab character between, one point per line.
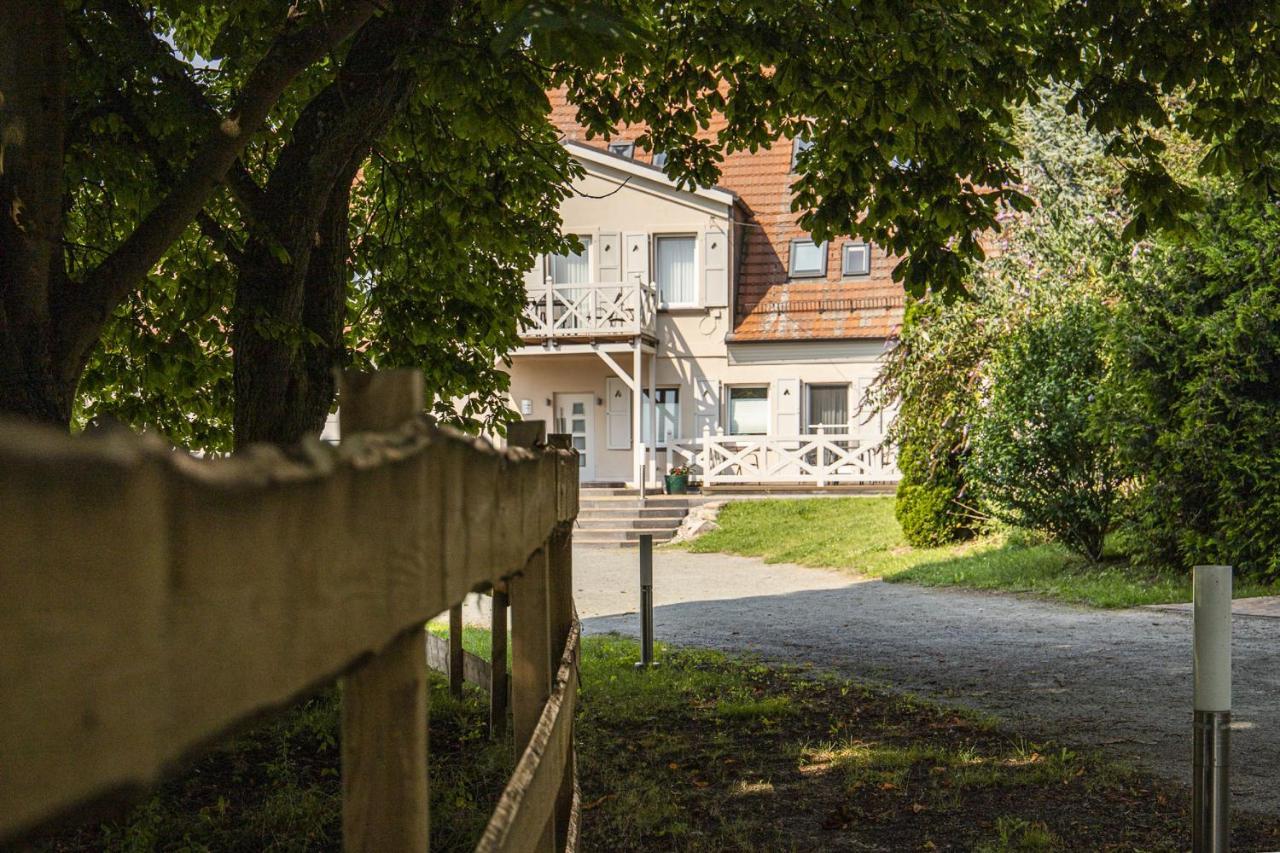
646	524
673	512
616	534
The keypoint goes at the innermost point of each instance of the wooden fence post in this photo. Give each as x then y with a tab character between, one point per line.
498	702
455	651
531	668
384	700
560	605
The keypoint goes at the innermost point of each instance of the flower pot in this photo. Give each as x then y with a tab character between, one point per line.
677	484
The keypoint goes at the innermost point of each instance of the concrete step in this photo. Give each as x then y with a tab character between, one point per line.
597	492
647	524
672	512
625	502
617	537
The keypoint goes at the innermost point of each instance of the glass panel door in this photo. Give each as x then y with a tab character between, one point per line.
575	416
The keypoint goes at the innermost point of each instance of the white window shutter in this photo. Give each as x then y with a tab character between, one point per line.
715	269
706	406
535	279
635	260
786	407
610	257
617	412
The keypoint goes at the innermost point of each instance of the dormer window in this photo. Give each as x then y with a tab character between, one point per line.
799	145
808	259
623	149
855	259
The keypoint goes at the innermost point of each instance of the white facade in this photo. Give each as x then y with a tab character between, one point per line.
646	313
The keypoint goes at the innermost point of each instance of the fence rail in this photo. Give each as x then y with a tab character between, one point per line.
822	459
151	603
590	309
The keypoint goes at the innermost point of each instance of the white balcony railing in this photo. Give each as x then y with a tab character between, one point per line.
591	310
819	460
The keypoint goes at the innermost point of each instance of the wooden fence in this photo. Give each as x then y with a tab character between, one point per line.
151	603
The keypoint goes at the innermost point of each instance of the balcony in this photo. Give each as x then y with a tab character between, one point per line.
590	310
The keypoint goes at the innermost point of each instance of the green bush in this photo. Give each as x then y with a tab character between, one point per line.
1199	341
1038	452
929	515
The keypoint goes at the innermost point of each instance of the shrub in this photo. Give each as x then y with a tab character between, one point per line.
929	515
1199	341
1038	454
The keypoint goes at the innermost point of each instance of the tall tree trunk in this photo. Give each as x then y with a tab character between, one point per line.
290	304
32	137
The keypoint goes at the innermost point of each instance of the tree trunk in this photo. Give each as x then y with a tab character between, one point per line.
290	305
32	137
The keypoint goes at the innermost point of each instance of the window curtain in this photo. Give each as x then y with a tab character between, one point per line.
748	411
675	258
572	268
828	406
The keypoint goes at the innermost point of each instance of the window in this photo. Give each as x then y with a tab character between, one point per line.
749	410
674	258
668	415
808	259
855	259
659	159
623	149
799	145
573	268
828	408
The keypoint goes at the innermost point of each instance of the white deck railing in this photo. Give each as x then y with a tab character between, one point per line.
591	309
819	460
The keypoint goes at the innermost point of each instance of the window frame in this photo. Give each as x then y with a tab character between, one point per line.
810	428
630	147
824	250
660	442
659	163
589	247
728	408
844	259
798	144
654	239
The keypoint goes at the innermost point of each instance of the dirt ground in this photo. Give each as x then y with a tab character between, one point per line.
1115	679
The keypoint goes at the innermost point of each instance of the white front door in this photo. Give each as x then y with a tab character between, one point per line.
575	416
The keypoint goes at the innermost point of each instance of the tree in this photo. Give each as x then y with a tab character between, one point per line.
1198	392
209	191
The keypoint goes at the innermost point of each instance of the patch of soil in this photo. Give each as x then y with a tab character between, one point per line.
842	768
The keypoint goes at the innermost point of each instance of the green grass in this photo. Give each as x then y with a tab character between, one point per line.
861	535
706	752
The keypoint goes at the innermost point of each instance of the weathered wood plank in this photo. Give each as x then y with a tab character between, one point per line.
531	662
385	806
527	806
475	669
150	602
83	583
455	651
499	681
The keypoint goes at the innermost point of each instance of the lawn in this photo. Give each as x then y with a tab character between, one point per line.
861	535
704	753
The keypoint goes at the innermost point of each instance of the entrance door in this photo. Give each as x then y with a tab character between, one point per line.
575	415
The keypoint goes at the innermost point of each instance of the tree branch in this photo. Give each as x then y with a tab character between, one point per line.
85	309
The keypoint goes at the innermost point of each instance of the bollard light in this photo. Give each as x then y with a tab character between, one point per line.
646	600
1211	676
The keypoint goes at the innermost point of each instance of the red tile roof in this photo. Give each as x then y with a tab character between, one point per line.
768	304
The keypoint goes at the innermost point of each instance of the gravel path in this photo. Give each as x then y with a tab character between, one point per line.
1118	679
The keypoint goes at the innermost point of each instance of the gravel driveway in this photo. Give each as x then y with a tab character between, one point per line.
1118	679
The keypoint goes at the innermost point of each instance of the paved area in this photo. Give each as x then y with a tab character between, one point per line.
1117	679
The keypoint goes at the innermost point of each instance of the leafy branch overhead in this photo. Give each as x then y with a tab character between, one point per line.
207	207
910	107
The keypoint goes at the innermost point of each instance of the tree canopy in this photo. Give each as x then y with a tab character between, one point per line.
206	207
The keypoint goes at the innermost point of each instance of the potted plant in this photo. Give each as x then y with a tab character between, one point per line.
677	480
